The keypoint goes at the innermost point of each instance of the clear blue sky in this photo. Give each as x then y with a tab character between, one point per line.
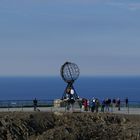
101	36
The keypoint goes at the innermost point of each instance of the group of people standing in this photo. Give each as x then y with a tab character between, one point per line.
106	105
93	104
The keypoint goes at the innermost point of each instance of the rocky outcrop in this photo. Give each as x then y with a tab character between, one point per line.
69	126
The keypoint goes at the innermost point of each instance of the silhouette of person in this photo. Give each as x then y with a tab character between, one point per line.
35	104
118	103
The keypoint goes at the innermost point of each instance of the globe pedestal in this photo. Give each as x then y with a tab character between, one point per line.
70	73
67	91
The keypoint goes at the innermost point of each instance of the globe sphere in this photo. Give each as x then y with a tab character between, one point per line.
70	72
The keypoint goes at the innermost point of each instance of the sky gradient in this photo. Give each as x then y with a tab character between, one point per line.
101	36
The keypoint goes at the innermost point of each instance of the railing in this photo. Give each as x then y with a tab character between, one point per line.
48	105
24	103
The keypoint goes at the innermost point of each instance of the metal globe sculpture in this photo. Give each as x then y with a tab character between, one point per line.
69	73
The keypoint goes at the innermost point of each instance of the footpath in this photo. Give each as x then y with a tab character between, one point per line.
123	110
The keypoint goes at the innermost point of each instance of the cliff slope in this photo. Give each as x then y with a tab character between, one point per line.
68	126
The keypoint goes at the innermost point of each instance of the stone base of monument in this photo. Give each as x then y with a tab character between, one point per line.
57	102
62	103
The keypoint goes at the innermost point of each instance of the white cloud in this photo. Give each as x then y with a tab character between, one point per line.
134	6
126	5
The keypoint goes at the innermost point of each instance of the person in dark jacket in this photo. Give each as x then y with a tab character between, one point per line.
35	104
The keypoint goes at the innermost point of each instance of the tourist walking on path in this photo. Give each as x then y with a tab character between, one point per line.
35	104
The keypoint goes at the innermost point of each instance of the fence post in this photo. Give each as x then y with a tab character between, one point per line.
8	105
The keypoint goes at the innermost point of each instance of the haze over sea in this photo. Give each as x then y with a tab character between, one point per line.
27	88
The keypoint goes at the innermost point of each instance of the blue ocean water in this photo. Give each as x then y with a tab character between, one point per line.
27	88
